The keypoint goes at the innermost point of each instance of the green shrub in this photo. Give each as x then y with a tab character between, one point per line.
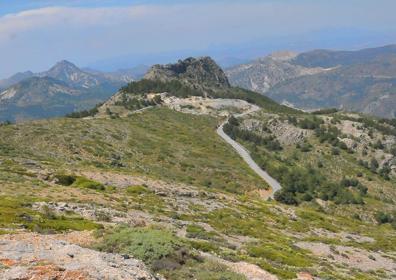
285	197
335	151
278	254
138	189
310	123
147	244
204	246
203	270
85	183
383	218
85	113
195	231
65	180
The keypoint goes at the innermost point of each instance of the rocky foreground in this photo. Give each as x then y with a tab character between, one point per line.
34	256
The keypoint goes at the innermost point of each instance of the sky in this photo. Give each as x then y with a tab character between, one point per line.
109	34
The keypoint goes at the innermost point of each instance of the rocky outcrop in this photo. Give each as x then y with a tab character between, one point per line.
34	256
198	72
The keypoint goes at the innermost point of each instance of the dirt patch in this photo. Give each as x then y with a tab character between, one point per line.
350	256
205	106
342	236
250	271
82	238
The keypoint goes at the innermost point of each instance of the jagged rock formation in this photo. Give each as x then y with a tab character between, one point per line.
198	72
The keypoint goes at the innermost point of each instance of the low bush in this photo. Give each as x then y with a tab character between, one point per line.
137	189
158	248
82	182
65	180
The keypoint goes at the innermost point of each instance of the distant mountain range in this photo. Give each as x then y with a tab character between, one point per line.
362	81
62	89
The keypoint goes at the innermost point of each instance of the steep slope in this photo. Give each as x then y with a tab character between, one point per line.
367	87
263	73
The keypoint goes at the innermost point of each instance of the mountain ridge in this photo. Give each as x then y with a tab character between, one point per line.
361	81
62	89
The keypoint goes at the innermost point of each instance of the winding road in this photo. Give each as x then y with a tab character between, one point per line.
274	184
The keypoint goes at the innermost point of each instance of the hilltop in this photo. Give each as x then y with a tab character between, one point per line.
196	72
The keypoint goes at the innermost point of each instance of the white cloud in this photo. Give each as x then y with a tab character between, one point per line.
34	20
40	36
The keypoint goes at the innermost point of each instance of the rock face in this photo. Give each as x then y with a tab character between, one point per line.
198	72
34	256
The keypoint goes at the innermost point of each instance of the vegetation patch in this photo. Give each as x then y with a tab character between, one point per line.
195	231
136	190
16	213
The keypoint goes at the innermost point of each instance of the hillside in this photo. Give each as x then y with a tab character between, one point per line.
361	81
63	89
344	88
262	74
143	186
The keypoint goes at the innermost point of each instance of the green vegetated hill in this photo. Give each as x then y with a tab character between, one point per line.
160	144
161	186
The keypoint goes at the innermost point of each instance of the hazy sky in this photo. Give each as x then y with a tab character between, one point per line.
35	34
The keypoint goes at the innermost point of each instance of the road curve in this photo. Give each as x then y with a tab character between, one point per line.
274	184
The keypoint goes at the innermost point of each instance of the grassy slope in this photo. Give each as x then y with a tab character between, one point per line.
183	148
159	143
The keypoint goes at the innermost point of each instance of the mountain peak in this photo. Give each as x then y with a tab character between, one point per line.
63	65
68	72
194	71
